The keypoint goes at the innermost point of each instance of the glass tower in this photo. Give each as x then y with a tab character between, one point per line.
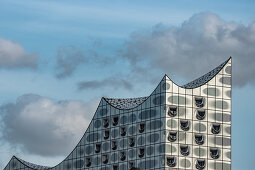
176	127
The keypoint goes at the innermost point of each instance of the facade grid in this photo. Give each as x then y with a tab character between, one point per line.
176	127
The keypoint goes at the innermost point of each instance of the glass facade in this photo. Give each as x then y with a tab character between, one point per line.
176	127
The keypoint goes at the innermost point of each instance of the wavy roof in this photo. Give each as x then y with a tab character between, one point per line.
129	103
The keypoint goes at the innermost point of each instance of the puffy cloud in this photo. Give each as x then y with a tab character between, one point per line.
111	82
39	125
193	48
13	56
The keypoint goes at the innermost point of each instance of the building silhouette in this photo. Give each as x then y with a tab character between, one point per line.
176	127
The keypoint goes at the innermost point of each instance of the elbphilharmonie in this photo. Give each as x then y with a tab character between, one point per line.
175	127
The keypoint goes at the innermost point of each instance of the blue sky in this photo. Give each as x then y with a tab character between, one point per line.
73	52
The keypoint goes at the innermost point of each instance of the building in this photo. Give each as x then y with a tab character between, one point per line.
176	127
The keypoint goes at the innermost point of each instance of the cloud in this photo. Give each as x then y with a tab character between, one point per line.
69	58
195	47
111	82
39	125
13	56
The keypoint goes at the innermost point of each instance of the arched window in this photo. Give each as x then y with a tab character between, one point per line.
172	111
214	152
185	125
122	155
141	152
114	145
98	148
106	134
88	162
200	114
199	138
184	150
105	122
199	101
171	161
172	136
105	158
200	164
115	120
141	127
123	131
215	128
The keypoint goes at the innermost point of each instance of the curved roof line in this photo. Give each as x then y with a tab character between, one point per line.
203	79
125	104
30	165
130	103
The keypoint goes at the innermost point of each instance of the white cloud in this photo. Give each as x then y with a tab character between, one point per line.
41	126
198	45
13	55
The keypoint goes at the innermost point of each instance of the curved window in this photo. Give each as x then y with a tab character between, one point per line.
172	111
122	155
199	138
123	131
200	164
115	167
88	162
171	161
105	159
185	125
106	134
200	114
106	122
215	128
141	152
114	145
199	101
115	120
131	142
98	147
172	136
184	150
141	127
131	165
215	153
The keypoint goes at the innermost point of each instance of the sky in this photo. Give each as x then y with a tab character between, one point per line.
58	58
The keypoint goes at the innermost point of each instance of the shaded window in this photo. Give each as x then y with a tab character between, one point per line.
106	134
215	128
123	131
105	122
199	138
200	164
88	162
131	165
199	101
200	114
141	152
171	161
115	120
214	152
131	141
185	125
105	159
141	127
184	150
114	145
115	167
172	111
98	147
122	155
172	136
